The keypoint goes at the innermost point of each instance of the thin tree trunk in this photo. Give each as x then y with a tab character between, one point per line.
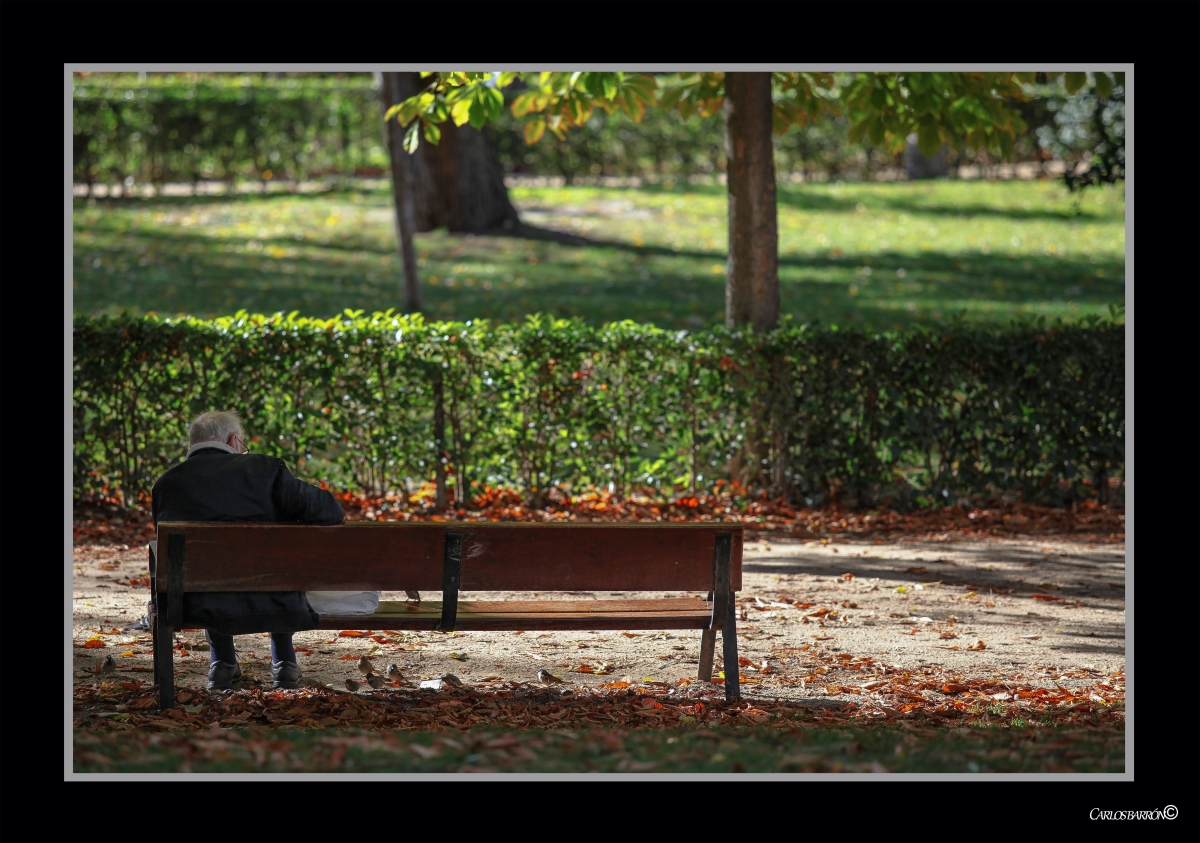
402	194
752	273
459	183
439	437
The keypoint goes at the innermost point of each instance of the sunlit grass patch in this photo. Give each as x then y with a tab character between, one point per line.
873	255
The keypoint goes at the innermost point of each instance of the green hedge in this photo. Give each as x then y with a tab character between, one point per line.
814	414
164	129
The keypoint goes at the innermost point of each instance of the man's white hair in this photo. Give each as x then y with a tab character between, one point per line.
215	426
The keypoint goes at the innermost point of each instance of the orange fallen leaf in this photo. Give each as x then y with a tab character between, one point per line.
348	656
616	685
1046	597
954	689
847	577
818	613
917	570
93	643
352	633
978	645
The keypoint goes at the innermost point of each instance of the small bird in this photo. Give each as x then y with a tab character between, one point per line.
451	680
412	595
393	673
548	678
365	666
351	685
109	665
375	680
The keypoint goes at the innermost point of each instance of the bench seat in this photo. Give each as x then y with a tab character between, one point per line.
479	615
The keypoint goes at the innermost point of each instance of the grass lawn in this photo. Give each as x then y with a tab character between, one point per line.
879	256
1006	749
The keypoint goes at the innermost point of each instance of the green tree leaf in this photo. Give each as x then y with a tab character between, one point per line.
460	112
411	138
534	130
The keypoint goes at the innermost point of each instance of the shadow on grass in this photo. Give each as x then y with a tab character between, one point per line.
899	196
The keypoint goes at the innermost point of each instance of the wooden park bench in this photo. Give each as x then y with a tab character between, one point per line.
453	557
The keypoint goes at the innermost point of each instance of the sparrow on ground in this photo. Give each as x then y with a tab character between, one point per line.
365	666
375	680
351	685
451	680
393	673
547	677
109	665
412	595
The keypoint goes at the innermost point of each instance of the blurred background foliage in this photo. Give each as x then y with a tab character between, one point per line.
990	403
153	128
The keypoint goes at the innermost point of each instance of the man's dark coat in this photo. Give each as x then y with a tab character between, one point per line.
213	485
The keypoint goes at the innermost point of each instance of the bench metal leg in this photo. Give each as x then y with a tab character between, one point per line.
708	643
164	663
729	650
168	617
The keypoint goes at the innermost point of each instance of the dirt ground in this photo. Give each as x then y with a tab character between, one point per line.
1043	608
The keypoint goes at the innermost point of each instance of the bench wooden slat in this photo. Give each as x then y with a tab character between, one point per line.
526	621
229	556
394	608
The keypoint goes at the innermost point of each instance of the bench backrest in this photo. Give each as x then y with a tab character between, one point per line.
390	556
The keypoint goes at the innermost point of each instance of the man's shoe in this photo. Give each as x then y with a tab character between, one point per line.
285	675
222	676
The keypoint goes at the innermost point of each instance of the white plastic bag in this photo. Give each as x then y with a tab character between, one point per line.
343	602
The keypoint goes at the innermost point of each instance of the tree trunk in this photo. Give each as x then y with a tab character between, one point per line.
752	272
402	194
459	183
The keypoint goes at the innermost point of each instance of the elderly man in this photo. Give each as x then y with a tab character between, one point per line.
221	481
